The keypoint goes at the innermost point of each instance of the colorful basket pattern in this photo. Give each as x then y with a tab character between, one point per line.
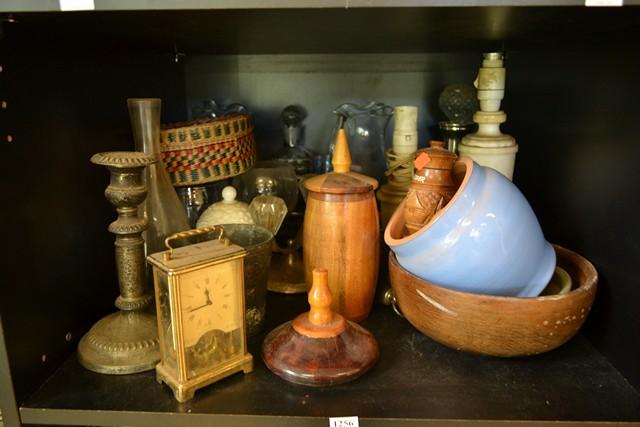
208	150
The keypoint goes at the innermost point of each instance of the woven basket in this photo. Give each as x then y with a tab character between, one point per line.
208	150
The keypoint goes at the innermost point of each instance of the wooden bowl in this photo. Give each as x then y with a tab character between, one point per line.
494	325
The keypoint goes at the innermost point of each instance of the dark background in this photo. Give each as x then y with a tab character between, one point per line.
572	104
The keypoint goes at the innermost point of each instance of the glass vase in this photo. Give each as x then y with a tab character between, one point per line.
162	208
365	126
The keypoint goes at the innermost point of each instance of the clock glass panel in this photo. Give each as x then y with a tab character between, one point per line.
165	324
211	311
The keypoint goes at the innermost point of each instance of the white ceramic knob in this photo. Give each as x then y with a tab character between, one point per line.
229	194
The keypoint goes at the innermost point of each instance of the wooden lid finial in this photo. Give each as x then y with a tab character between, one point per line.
320	347
320	321
320	298
341	159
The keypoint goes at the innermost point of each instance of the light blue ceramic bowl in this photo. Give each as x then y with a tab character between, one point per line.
486	240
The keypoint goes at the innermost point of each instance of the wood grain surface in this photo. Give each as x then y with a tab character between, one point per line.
497	326
341	183
320	361
341	234
320	321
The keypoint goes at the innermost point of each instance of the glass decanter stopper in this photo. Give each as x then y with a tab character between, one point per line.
458	102
268	212
293	153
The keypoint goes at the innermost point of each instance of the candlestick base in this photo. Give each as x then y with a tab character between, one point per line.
124	342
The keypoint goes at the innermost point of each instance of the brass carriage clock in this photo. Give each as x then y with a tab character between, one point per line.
199	292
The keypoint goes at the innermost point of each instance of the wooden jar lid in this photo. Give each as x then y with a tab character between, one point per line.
342	180
435	157
320	347
341	183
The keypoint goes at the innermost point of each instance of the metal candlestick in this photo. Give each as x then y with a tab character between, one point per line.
126	341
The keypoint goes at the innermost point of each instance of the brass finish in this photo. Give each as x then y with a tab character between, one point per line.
189	233
171	274
389	298
126	341
184	390
286	274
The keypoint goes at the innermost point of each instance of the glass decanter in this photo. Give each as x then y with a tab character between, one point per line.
293	152
162	208
365	126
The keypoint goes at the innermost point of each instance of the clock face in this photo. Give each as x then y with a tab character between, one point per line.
210	301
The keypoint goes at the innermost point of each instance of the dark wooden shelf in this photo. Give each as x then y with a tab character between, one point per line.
66	77
415	379
336	30
51	5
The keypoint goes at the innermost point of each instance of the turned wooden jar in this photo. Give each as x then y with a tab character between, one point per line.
341	234
432	186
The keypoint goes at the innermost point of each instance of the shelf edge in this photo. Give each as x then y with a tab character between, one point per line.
110	418
113	5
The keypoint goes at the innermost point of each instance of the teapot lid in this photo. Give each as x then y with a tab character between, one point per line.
227	211
341	180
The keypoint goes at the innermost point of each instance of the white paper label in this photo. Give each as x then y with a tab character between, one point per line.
343	422
69	5
603	2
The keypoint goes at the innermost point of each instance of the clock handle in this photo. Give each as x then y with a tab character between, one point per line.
190	233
